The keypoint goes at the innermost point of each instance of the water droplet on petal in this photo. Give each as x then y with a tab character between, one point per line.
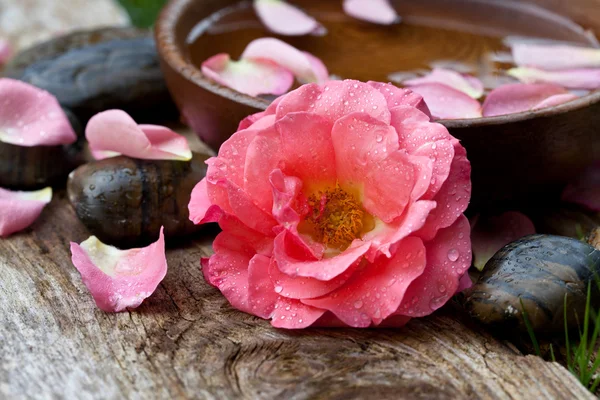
358	304
453	255
278	289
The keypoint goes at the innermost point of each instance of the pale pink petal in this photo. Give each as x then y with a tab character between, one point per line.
292	314
397	97
309	157
32	117
319	68
250	76
285	56
244	207
464	83
18	210
120	279
464	283
518	97
284	19
324	269
367	157
201	209
6	51
585	189
375	11
422	138
260	243
555	57
453	197
252	119
569	78
448	259
555	100
377	291
114	132
445	102
262	157
335	99
490	234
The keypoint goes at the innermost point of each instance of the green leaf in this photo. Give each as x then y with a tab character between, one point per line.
143	13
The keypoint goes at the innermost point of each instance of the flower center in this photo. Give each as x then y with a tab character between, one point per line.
335	218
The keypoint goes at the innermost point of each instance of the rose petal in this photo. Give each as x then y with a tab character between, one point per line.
18	210
114	132
554	57
250	76
555	100
376	292
448	259
518	97
284	19
397	97
367	157
375	11
306	69
571	78
292	314
490	234
201	209
6	51
120	279
445	102
585	190
335	99
32	117
324	269
464	283
464	83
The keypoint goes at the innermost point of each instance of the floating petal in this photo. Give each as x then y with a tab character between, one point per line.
375	11
308	69
571	78
252	77
488	235
285	19
554	57
114	132
120	279
465	83
519	97
31	117
445	102
18	210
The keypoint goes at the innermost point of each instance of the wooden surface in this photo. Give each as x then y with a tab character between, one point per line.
186	341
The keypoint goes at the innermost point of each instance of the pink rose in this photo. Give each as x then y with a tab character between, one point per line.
341	204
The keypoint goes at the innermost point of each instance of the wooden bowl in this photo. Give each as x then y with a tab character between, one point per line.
519	157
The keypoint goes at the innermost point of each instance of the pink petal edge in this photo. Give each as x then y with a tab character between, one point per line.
445	102
120	279
588	78
251	77
285	19
519	97
6	51
32	117
18	210
465	83
114	132
375	11
555	57
490	234
308	69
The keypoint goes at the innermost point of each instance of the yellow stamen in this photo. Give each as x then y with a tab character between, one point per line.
335	218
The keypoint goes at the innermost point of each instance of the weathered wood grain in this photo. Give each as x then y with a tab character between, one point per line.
187	342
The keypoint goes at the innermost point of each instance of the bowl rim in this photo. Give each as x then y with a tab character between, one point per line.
175	57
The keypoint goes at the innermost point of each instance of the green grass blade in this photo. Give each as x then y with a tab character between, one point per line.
552	353
530	331
567	343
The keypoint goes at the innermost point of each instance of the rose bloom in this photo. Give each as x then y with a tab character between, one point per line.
341	205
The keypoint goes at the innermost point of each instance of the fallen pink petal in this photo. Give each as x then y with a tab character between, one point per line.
357	222
520	97
120	279
306	68
490	234
32	117
571	79
585	189
374	11
18	210
251	77
465	83
285	19
445	102
6	51
114	132
554	56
